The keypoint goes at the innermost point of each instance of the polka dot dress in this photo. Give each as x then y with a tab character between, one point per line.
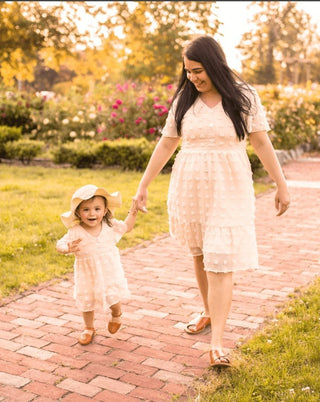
211	202
98	273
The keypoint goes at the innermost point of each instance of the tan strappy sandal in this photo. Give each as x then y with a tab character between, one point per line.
113	327
86	336
219	360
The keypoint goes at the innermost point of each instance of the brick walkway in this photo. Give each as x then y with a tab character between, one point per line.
151	358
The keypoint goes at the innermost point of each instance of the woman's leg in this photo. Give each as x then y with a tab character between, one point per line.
200	323
202	281
219	299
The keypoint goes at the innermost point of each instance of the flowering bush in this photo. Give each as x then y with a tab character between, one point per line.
131	111
293	115
126	111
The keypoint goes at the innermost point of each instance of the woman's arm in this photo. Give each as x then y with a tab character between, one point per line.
160	156
263	147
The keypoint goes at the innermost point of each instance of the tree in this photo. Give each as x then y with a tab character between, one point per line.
153	34
30	33
279	46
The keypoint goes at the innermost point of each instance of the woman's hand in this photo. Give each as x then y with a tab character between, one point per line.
140	200
282	200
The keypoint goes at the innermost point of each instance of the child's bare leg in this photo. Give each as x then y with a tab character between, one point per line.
88	333
115	322
88	317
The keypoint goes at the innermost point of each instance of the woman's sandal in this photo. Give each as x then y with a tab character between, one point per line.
198	324
86	336
113	327
218	360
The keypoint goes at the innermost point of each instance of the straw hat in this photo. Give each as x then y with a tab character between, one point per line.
86	192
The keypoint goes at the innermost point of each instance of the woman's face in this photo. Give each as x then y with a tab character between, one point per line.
198	76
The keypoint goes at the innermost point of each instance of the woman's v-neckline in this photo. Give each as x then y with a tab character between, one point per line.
212	107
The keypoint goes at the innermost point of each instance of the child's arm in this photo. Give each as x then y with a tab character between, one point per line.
132	216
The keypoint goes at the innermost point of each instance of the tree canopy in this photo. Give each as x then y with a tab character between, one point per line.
281	46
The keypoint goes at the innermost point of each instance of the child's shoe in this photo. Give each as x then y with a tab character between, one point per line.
114	326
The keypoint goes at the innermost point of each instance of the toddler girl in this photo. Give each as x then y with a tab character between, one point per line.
92	236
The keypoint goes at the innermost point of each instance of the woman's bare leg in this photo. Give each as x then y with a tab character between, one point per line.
202	281
219	299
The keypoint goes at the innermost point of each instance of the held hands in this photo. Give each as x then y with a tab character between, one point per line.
140	200
282	200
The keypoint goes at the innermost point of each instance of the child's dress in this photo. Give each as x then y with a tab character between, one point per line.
98	273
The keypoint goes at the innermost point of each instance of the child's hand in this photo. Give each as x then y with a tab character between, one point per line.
74	246
134	207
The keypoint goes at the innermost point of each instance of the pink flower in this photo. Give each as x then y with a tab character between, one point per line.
156	98
152	130
113	114
115	106
119	102
138	120
105	139
169	86
156	106
99	108
133	85
121	120
99	130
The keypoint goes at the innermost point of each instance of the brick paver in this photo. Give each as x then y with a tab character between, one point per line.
151	358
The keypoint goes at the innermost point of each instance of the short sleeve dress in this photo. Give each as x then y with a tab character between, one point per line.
211	201
98	273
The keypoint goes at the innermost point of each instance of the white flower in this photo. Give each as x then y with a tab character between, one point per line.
91	134
92	116
65	121
76	119
45	121
80	113
72	134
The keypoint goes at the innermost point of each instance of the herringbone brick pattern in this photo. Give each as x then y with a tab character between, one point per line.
151	358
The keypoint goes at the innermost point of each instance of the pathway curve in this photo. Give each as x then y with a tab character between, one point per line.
151	358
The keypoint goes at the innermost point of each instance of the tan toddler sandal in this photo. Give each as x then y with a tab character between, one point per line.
113	326
86	336
198	324
219	360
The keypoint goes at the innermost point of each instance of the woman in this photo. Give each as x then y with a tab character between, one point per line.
211	202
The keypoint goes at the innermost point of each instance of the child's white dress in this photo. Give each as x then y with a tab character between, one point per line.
98	273
211	202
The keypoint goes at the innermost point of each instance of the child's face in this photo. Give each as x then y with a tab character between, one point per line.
91	212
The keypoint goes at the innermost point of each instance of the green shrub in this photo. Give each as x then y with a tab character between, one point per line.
16	110
129	154
80	154
8	134
24	150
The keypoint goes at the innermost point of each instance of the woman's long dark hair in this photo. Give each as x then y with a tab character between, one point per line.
207	51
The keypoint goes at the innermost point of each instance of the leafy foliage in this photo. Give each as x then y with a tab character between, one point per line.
282	45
